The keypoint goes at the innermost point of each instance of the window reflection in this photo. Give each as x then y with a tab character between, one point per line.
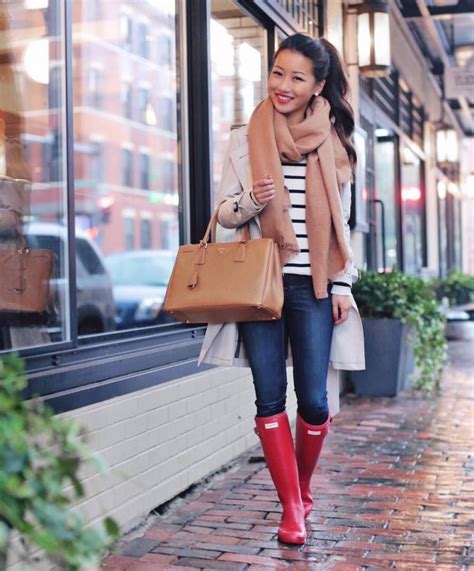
239	69
140	280
126	150
442	229
34	284
412	202
385	153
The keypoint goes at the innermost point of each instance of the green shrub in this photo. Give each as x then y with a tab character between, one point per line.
457	287
40	455
398	296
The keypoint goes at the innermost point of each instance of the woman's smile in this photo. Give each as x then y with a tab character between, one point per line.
283	99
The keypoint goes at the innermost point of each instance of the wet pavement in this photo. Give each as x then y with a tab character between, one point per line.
394	489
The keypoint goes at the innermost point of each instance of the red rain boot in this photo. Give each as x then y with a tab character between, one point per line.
309	441
278	449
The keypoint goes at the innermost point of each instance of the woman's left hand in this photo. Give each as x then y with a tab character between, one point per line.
340	308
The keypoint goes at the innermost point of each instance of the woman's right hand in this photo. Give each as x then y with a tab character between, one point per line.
264	190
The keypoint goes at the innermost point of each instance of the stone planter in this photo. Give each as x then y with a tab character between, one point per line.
460	322
459	330
389	358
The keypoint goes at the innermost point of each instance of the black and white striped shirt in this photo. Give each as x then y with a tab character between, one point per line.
294	174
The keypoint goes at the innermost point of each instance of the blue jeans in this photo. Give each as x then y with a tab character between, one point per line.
308	323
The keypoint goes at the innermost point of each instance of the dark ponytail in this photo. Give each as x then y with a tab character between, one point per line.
327	65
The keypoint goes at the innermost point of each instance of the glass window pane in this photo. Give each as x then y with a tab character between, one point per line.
34	310
412	213
442	230
385	154
126	159
239	71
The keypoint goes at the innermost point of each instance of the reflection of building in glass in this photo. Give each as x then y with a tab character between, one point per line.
125	130
36	56
238	65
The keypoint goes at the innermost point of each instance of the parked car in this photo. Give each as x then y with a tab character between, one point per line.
95	303
139	280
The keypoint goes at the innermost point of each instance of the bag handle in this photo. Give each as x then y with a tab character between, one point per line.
200	258
212	229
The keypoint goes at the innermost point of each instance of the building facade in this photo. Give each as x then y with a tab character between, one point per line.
114	122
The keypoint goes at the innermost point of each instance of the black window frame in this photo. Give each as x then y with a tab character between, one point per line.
90	369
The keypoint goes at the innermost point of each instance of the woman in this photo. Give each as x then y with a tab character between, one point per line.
288	175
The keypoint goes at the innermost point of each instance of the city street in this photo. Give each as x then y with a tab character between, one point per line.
394	489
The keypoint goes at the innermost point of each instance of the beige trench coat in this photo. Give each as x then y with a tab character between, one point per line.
221	345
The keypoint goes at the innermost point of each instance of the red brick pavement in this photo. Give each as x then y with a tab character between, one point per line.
394	489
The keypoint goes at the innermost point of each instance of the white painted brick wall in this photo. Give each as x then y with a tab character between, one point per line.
158	441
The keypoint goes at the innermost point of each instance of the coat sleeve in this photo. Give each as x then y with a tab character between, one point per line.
348	275
237	205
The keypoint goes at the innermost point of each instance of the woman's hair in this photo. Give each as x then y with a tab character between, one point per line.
327	65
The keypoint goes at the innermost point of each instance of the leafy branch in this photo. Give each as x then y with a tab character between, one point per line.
398	296
40	456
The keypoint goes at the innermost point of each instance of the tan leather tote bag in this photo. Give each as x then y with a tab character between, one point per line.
227	281
25	285
25	274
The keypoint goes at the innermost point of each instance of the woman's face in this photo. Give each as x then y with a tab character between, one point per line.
291	84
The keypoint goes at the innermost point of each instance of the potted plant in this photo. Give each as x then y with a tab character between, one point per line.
458	288
404	334
40	455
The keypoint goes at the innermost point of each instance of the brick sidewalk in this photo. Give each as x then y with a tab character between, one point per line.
394	489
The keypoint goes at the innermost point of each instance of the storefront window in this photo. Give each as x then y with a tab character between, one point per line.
120	212
442	229
385	153
412	202
239	71
457	233
34	286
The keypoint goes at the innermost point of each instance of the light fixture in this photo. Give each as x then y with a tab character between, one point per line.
382	133
373	38
36	60
446	145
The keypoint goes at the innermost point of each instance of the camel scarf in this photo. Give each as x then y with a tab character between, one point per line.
271	141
